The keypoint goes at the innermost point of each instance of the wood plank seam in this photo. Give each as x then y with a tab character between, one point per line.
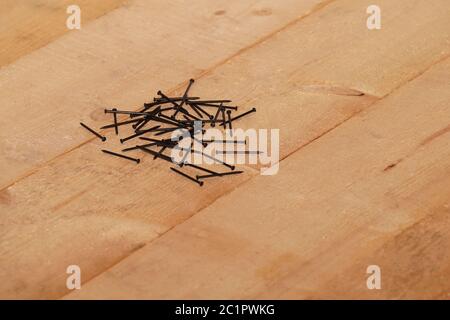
392	237
440	133
207	71
57	36
443	131
160	234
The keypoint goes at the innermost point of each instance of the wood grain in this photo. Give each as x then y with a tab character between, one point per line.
121	59
63	192
29	25
363	118
312	230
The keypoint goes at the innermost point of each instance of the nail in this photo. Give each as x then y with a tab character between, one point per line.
223	117
162	143
202	110
121	156
120	123
138	146
187	114
164	119
116	128
134	113
218	175
137	134
238	152
229	122
187	176
200	168
161	156
191	81
213	123
212	158
167	98
160	152
241	115
165	130
226	141
138	123
142	124
92	131
212	105
163	100
210	101
124	112
195	110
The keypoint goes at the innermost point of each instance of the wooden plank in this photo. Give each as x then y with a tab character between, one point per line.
30	25
278	78
40	210
91	209
414	262
121	59
373	191
59	199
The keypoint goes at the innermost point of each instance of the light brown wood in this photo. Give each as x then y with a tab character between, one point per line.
55	206
121	59
363	118
337	206
29	25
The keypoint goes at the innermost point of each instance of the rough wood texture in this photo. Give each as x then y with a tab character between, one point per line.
29	25
120	59
364	177
337	206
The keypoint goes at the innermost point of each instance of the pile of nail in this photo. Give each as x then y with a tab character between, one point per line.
163	116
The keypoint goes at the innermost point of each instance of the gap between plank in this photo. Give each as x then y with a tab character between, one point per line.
416	76
209	70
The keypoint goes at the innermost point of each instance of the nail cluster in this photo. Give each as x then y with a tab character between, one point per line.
163	116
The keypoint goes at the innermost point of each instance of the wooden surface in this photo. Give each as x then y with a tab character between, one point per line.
364	119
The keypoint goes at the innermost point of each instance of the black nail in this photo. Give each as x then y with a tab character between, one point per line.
142	124
161	156
134	113
164	119
164	143
92	131
165	130
195	110
212	158
138	123
120	123
160	152
167	98
139	146
187	176
137	134
202	110
164	100
210	101
121	156
187	114
124	112
223	117
212	105
191	81
226	141
218	174
213	123
241	115
229	122
238	152
200	168
116	128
